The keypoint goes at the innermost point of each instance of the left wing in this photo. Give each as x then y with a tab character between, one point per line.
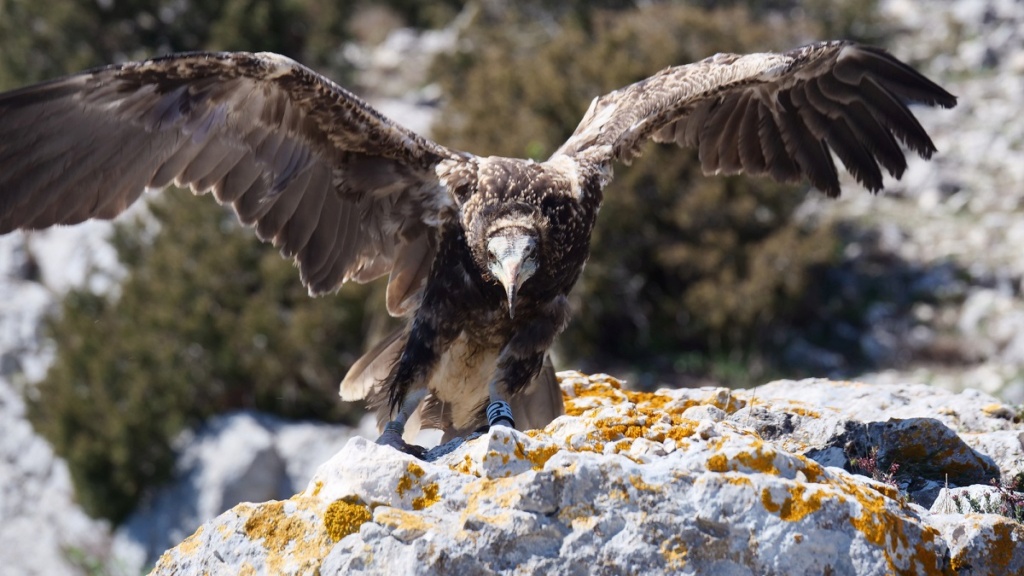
772	114
344	191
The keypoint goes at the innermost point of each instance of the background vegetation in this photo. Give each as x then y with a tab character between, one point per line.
684	268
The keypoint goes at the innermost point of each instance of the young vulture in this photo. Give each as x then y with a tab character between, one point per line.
481	252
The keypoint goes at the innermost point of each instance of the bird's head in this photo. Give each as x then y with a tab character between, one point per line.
513	246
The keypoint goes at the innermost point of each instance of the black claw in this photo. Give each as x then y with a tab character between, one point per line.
394	439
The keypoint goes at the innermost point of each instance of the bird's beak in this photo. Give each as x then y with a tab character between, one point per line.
512	266
511	288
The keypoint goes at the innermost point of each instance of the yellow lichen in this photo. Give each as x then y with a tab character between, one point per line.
796	505
398	519
405	483
292	541
738	480
343	518
639	484
270	522
618	494
674	551
762	459
431	495
681	429
811	469
806	412
465	466
191	544
574	512
540	456
718	463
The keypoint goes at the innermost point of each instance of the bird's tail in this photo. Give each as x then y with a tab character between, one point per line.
366	377
373	367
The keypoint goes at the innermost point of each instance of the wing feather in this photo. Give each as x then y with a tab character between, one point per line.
751	153
265	134
728	148
776	114
270	224
304	223
809	152
318	251
237	181
780	165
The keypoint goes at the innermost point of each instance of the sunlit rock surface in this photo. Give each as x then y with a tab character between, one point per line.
706	481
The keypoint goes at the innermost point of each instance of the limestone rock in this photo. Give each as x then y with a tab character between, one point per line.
676	481
42	529
237	457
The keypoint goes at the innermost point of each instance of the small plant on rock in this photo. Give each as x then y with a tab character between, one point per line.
1006	500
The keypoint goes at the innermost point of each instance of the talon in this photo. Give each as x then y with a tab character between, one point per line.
392	436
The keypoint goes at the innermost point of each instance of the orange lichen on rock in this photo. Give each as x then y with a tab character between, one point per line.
639	484
761	458
431	495
798	503
289	533
343	518
805	412
405	524
884	528
412	479
674	551
405	483
718	463
1000	543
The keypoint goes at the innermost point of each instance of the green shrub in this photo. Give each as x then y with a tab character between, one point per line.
208	320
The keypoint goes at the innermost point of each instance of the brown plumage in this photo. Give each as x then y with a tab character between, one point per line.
481	252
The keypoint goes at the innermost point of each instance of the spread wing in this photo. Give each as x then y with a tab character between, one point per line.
773	114
344	191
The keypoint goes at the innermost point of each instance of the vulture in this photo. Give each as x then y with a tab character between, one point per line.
480	252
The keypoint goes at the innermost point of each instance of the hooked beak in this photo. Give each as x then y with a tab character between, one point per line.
513	265
511	288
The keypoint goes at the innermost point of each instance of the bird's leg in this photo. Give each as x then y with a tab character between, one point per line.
499	412
406	385
393	430
522	358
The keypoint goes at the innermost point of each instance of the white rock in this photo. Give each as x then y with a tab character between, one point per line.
591	492
234	458
42	529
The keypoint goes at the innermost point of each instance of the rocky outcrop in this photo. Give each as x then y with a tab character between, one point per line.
705	481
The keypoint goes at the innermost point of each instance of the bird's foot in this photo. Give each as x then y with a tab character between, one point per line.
499	413
392	436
